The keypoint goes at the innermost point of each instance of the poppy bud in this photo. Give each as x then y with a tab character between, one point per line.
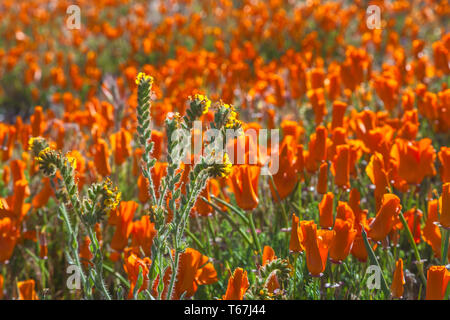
444	206
326	211
437	281
398	280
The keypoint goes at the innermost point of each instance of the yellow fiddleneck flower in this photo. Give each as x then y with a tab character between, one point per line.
205	101
143	77
227	165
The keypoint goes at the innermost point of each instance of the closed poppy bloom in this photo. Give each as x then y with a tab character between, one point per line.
1	286
286	178
18	170
317	245
326	210
143	193
322	181
358	249
244	183
317	99
344	212
101	158
121	146
157	138
444	158
398	280
193	270
123	217
9	235
344	235
341	166
378	175
85	253
237	285
27	290
142	234
444	206
414	160
317	146
37	121
133	265
339	108
431	233
268	255
437	281
385	218
292	128
354	200
296	236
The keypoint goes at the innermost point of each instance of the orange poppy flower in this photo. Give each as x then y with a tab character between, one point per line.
142	234
317	245
44	195
27	290
385	218
344	235
121	218
317	146
326	211
101	158
296	236
85	253
378	175
413	217
121	145
17	208
193	270
437	281
339	108
414	160
268	255
237	285
9	234
358	249
201	207
244	183
444	158
398	280
340	167
322	181
1	286
431	233
285	179
18	170
444	206
133	265
37	121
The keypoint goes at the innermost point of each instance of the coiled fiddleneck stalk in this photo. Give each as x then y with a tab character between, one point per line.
144	83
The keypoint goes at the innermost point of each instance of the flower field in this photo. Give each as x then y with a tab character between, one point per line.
224	149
